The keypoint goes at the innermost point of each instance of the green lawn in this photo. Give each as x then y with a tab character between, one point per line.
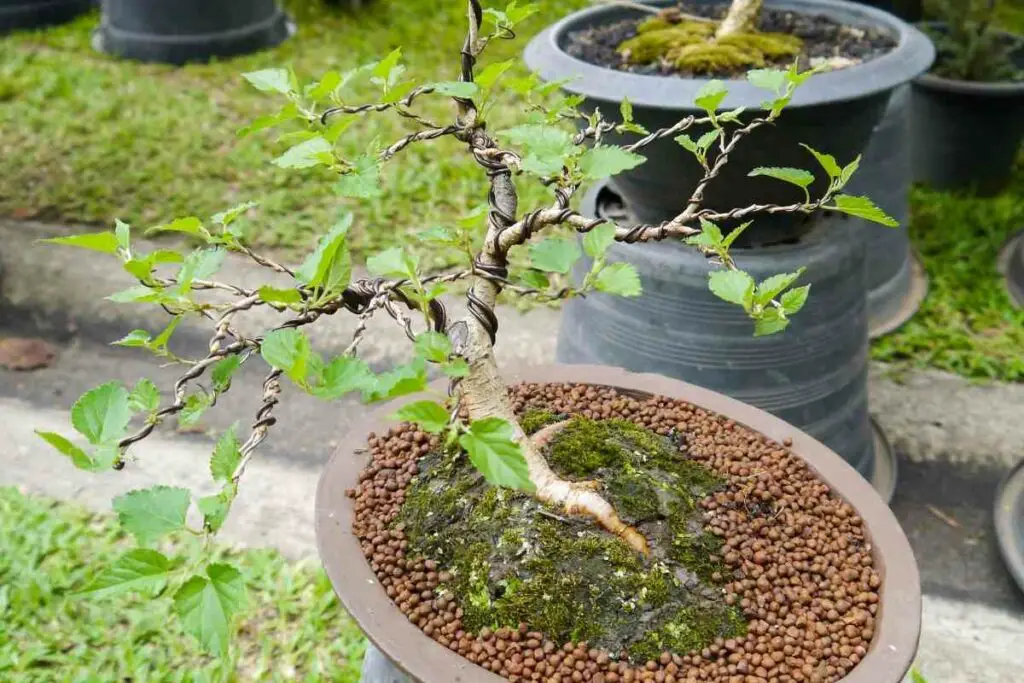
294	630
87	138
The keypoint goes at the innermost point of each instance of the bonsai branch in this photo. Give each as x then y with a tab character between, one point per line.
741	18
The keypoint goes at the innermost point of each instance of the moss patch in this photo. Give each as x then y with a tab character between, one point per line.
533	421
689	46
515	561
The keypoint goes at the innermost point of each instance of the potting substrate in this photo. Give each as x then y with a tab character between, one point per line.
758	568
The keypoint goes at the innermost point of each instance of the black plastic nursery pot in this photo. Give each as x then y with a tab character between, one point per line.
1011	265
833	112
189	30
26	14
966	134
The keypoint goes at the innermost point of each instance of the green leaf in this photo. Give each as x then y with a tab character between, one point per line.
626	110
770	324
795	176
160	341
456	89
289	351
827	161
79	458
149	514
229	216
288	112
733	286
705	140
769	79
207	604
687	142
223	370
138	294
123	233
769	288
620	279
145	397
438	234
105	242
195	405
547	147
227	455
138	569
848	171
325	86
490	74
403	380
535	279
274	295
199	265
429	415
385	67
190	225
554	254
215	508
393	262
735	233
457	367
102	414
793	300
270	80
342	375
711	95
710	236
330	264
433	346
862	207
603	162
493	452
362	181
597	240
135	338
732	115
312	152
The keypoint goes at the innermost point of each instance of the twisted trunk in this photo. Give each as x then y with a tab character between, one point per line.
741	18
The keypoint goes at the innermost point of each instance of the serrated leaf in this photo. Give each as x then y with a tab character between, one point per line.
490	74
343	375
769	79
547	147
289	351
215	509
862	207
145	397
597	240
457	367
138	294
732	115
403	380
493	452
554	254
104	242
393	262
769	288
325	86
102	414
626	110
160	341
687	143
710	235
289	111
710	96
123	234
207	604
433	346
456	89
603	161
195	405
535	279
827	161
270	80
438	234
770	325
79	458
733	286
848	171
189	225
312	152
275	295
227	455
705	141
795	176
385	67
149	514
135	338
793	300
362	181
223	370
429	415
199	265
620	279
330	264
229	216
734	234
138	569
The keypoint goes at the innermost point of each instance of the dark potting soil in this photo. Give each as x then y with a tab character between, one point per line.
822	38
781	550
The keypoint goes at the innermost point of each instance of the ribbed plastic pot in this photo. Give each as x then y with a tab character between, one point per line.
834	112
189	30
1011	265
965	135
16	15
415	657
896	282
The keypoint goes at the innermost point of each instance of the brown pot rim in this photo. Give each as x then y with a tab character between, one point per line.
899	618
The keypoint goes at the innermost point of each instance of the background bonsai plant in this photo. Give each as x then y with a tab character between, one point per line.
478	417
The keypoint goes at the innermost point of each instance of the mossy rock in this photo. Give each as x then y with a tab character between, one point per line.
513	560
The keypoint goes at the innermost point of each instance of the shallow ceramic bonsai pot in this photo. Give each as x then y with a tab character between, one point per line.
966	134
833	112
421	659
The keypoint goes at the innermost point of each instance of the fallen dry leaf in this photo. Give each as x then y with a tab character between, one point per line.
17	353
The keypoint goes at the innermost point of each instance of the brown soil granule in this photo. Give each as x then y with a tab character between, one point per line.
799	562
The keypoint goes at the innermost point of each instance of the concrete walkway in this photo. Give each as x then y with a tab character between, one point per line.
955	439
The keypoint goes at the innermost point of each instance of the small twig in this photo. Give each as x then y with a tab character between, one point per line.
943	516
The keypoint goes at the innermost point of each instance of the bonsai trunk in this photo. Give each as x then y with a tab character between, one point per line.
741	18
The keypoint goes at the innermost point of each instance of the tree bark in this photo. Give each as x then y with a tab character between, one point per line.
741	18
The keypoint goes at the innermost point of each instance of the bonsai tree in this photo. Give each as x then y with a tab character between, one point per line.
969	48
478	417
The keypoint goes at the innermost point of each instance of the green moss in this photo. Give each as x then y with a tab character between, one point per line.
715	58
770	45
535	420
654	44
514	561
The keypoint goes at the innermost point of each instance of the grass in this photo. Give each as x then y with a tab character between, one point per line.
294	630
88	138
